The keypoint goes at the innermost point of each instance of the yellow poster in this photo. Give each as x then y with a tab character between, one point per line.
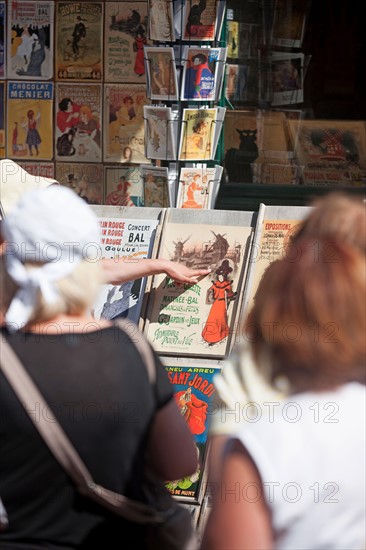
29	122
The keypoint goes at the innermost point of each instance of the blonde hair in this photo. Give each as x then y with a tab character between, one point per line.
77	291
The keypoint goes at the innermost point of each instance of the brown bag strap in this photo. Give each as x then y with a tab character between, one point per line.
62	448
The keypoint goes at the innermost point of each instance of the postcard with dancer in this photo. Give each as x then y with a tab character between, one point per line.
2	39
125	35
197	135
161	73
198	319
78	122
156	187
195	187
161	132
29	120
123	186
85	179
124	132
203	73
194	393
128	239
30	40
199	20
161	20
79	37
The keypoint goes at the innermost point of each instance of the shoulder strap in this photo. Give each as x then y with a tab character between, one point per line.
142	346
62	448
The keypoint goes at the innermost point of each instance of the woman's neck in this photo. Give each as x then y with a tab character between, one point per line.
64	324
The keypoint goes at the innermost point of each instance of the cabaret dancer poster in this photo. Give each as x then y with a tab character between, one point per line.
195	187
194	393
124	133
30	40
123	186
78	122
199	319
125	35
156	186
29	120
130	239
85	179
79	37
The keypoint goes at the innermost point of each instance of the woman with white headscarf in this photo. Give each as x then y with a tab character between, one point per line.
92	377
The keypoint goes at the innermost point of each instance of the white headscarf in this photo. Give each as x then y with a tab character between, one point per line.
52	227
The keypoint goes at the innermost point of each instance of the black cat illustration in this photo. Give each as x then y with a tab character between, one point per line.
64	144
238	161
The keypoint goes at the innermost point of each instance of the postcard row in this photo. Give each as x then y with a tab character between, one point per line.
96	41
95	123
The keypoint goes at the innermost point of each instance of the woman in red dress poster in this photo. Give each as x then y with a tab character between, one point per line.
193	409
138	47
220	294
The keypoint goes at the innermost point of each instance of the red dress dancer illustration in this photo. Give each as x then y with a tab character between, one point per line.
221	294
121	196
193	409
138	46
192	187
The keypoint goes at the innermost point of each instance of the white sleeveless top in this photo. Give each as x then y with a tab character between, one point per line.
310	454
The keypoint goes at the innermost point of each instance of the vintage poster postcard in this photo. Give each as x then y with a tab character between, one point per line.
231	81
194	393
330	152
39	169
287	78
195	187
240	144
199	20
29	120
162	83
2	39
130	239
125	35
275	229
30	40
199	319
156	192
289	23
85	179
2	120
79	36
78	122
124	133
160	132
161	20
123	186
203	72
197	134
